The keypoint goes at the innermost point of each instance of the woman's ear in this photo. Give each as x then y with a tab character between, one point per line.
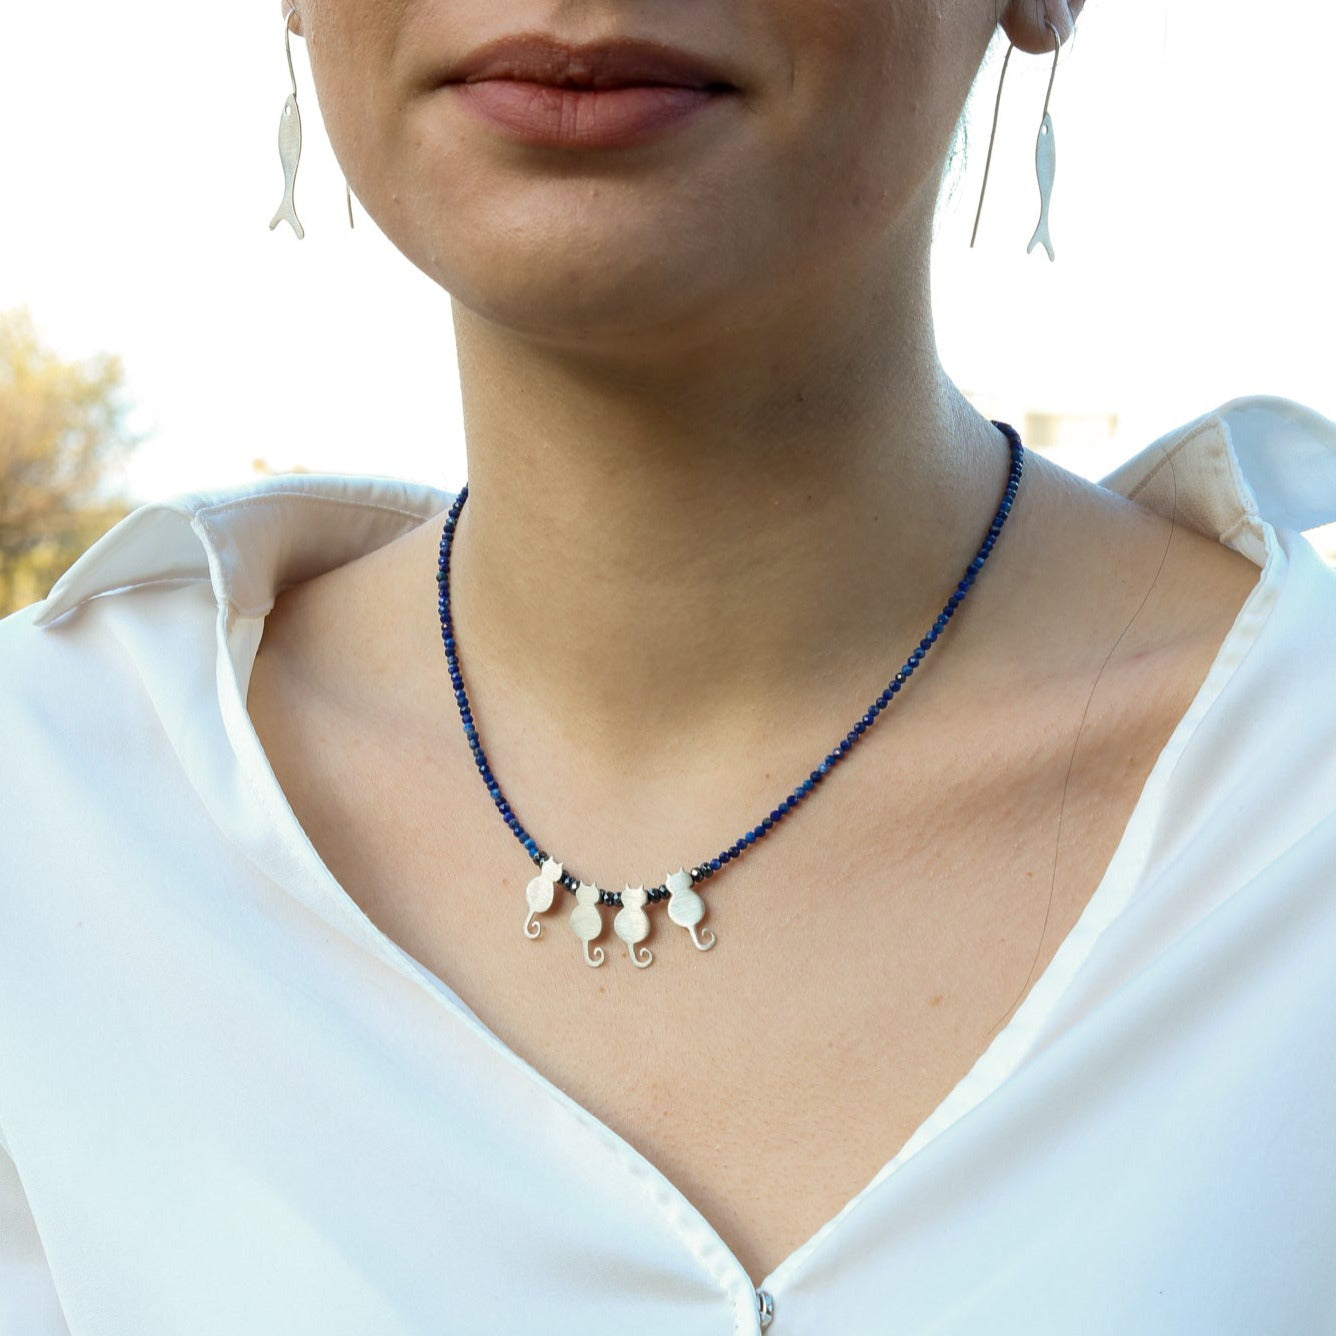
292	17
1026	22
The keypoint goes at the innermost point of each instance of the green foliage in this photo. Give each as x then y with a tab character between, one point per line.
62	428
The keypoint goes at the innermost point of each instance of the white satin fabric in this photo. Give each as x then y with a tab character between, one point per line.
229	1104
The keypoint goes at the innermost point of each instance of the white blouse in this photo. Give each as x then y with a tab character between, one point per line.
230	1104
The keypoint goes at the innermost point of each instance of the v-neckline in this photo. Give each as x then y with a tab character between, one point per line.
239	641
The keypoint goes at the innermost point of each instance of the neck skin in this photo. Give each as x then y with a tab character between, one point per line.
667	553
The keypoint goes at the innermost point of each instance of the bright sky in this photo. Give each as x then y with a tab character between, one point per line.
1192	219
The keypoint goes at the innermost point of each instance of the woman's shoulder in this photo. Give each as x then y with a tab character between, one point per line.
129	638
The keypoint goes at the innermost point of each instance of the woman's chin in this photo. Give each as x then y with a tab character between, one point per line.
592	297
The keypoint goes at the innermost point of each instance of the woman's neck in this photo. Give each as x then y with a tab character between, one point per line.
671	557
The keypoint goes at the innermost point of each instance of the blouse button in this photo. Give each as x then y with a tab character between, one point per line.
765	1308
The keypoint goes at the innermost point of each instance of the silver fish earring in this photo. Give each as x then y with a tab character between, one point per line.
1045	153
290	145
289	142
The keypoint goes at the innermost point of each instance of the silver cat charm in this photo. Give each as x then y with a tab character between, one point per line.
1046	165
686	908
587	922
632	924
540	893
290	152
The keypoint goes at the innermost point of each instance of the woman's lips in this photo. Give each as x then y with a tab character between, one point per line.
556	116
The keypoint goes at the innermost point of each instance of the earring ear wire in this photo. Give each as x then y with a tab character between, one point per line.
1045	151
992	139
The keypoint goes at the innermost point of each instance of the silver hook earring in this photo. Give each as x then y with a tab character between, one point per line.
289	142
290	145
1045	153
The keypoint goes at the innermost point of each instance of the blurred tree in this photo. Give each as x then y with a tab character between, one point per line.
62	429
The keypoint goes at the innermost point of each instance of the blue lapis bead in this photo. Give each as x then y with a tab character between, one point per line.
767	823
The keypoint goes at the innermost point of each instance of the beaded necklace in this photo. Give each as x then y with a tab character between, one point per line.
686	908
